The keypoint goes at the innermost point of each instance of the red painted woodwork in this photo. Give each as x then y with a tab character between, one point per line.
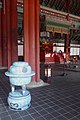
37	42
66	46
0	42
68	8
9	47
4	34
42	56
54	57
26	30
31	35
14	27
9	32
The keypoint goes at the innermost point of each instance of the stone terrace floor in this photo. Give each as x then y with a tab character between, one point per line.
58	101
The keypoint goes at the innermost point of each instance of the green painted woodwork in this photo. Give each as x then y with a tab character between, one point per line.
57	24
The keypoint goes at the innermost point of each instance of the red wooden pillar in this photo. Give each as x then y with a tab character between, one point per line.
67	41
11	25
68	8
14	30
9	47
0	40
9	32
37	41
26	30
4	34
31	35
67	35
53	35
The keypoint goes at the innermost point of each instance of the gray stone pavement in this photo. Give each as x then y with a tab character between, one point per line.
58	101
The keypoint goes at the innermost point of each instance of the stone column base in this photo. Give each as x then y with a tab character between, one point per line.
34	84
